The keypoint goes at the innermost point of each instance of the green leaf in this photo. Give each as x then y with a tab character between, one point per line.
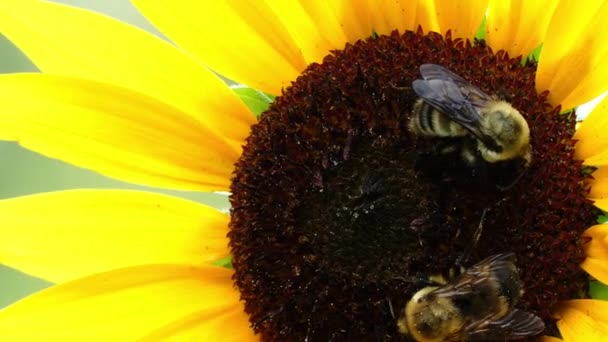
602	219
534	55
598	290
224	262
257	101
481	31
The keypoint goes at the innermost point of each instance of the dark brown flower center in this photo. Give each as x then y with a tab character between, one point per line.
334	205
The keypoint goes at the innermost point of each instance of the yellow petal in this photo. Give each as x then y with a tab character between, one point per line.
312	25
355	17
596	250
599	159
208	326
592	135
596	309
243	40
596	268
426	16
549	339
64	235
120	305
389	15
572	65
583	320
70	41
463	18
518	26
114	131
599	184
601	203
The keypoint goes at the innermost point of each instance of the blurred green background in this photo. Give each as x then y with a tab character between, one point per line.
23	172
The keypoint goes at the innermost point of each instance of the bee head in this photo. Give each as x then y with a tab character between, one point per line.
428	318
509	132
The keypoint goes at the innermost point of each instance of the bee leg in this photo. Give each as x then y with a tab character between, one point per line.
416	226
390	307
309	330
503	188
476	235
266	317
400	87
420	281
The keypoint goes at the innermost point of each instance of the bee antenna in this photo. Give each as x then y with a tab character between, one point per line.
476	235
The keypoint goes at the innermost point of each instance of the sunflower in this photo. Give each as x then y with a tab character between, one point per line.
325	184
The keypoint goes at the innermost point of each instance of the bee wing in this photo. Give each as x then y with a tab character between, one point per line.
494	263
469	281
476	96
517	324
447	97
455	97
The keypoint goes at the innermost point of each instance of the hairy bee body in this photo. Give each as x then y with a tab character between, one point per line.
477	305
451	107
428	121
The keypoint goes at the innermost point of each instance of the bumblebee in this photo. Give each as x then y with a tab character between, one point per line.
450	107
479	304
